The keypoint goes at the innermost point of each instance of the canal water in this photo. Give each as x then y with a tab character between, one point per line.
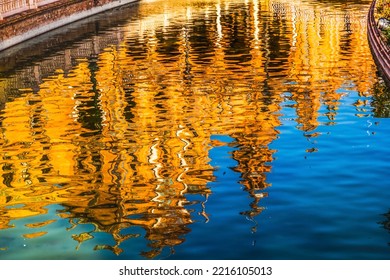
205	129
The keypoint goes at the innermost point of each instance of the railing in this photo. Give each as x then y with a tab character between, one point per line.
13	7
379	49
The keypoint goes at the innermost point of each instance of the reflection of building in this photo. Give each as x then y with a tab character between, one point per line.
138	109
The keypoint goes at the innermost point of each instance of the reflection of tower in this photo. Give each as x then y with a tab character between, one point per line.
89	113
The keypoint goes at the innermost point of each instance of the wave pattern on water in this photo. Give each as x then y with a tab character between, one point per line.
143	137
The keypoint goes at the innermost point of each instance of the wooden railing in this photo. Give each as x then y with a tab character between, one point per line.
13	7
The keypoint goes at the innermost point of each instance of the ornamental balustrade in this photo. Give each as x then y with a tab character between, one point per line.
13	7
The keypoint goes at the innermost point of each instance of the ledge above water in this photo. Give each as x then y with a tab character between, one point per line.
28	21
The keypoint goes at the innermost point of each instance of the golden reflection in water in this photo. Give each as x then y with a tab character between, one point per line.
124	136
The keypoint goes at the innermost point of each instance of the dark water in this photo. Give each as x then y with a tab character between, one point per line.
197	130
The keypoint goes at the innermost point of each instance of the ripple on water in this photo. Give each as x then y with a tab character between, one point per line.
169	130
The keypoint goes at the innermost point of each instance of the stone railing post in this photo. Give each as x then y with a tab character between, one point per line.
32	4
1	13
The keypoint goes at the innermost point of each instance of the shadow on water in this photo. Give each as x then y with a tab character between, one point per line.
133	178
381	100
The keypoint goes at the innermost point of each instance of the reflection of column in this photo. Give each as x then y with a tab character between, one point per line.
256	30
37	77
219	25
304	59
254	156
67	60
257	53
95	44
185	59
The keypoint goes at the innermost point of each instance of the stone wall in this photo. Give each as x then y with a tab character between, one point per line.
28	24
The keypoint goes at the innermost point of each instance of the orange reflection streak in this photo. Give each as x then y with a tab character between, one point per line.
123	138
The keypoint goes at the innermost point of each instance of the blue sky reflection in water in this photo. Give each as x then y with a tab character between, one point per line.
197	130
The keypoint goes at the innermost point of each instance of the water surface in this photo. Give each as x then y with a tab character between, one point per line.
209	129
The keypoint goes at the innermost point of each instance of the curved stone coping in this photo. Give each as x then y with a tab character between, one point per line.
45	27
379	49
